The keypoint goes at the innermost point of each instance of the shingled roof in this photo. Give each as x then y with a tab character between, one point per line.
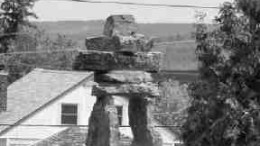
36	90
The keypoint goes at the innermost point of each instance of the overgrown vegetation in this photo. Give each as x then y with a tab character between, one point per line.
171	106
18	34
56	53
14	19
225	101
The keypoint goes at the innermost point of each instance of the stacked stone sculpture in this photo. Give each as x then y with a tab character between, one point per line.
123	65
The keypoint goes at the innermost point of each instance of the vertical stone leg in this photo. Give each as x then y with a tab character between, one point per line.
103	123
140	120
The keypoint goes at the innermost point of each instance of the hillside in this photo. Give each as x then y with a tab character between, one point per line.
179	57
79	30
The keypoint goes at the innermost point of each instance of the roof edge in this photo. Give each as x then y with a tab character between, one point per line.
46	104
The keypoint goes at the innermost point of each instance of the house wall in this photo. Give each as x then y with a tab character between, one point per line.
123	101
51	115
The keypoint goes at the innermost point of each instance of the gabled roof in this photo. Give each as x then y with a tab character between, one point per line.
35	91
70	136
75	136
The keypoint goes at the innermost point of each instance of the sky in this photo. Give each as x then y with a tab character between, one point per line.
60	10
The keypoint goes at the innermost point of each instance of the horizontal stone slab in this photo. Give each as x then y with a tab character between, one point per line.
107	61
144	90
133	43
103	43
124	76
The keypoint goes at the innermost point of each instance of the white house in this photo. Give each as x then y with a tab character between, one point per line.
46	102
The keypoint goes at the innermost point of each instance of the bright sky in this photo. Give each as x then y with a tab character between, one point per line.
56	10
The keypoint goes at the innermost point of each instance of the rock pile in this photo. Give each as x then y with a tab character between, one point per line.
123	66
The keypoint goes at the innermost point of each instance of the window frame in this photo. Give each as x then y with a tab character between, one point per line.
76	114
120	117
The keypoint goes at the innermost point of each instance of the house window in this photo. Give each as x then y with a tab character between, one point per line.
120	114
69	114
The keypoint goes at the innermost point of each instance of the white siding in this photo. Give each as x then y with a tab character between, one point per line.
123	101
167	136
51	115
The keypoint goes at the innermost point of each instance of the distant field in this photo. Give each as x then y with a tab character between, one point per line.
79	30
177	56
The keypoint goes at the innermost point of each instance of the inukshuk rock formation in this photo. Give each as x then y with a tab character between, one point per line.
123	64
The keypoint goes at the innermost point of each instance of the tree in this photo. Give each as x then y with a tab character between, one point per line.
14	19
170	107
225	101
49	54
14	23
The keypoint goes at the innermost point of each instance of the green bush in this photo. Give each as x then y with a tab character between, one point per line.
171	106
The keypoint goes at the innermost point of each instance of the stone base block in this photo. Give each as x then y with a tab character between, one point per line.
103	123
129	90
140	120
107	61
124	76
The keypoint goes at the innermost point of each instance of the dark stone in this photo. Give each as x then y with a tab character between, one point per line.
134	43
120	25
121	49
140	120
124	76
107	61
148	89
103	43
103	123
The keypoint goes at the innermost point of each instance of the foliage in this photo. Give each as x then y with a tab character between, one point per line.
170	108
251	8
14	19
174	96
52	54
225	105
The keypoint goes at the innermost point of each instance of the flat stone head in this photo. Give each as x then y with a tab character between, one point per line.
117	25
136	43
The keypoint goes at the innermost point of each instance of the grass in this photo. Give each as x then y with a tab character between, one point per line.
178	57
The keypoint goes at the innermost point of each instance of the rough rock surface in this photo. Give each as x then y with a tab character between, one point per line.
106	61
120	25
103	123
142	90
133	43
124	76
103	43
140	120
121	48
